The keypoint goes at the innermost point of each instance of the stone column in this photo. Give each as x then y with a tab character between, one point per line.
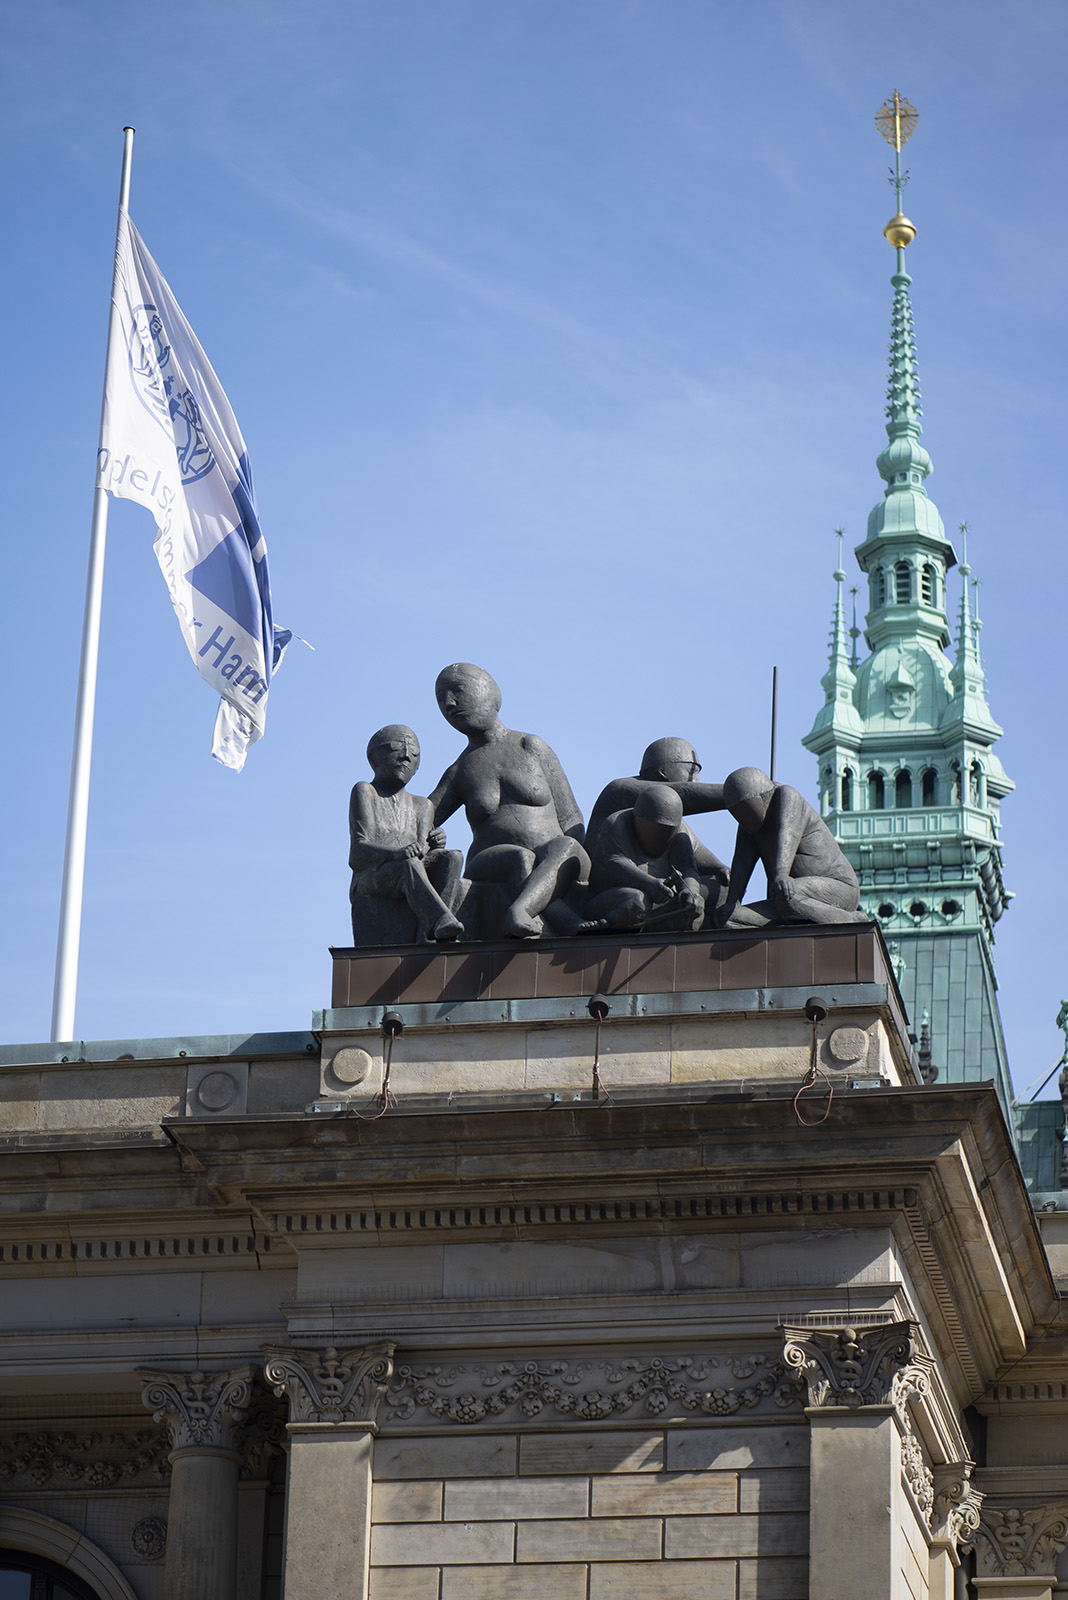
1016	1551
333	1408
204	1412
857	1382
954	1522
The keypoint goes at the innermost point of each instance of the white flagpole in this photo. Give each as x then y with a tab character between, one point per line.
70	913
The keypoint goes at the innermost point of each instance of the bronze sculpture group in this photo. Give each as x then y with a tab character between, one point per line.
533	869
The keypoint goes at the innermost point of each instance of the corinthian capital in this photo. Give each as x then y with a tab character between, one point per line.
1021	1542
203	1410
330	1385
957	1504
853	1367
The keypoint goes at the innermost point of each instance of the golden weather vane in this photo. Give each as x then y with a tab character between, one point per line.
896	120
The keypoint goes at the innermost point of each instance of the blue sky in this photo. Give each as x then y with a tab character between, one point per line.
557	333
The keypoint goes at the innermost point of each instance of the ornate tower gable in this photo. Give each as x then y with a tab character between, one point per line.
909	783
903	689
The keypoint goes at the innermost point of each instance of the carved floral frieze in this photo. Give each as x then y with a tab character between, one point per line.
877	1366
1017	1542
916	1473
593	1390
95	1459
329	1385
202	1410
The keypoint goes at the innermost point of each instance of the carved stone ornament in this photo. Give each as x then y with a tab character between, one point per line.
592	1391
957	1504
915	1471
330	1385
98	1459
203	1410
1021	1541
261	1436
149	1538
853	1367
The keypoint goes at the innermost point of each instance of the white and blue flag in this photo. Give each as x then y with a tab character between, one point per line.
170	441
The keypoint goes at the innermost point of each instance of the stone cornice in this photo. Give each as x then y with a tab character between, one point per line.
157	1241
204	1411
331	1386
713	1203
1041	1396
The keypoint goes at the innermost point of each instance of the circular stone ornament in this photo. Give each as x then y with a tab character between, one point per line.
352	1066
216	1091
848	1045
149	1538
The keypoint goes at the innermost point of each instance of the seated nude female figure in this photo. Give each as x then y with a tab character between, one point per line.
527	830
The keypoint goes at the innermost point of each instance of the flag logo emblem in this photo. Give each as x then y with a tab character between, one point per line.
157	386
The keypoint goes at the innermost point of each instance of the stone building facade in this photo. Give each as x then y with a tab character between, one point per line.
712	1297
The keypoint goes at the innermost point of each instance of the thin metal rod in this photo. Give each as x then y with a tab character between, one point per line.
774	718
1029	1094
65	992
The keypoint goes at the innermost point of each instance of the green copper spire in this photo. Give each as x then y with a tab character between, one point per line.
837	730
896	121
908	781
906	554
841	666
839	719
966	653
968	709
903	409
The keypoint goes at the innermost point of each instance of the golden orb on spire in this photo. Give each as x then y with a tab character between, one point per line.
900	231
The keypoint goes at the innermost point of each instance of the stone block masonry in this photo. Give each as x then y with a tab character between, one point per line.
568	1515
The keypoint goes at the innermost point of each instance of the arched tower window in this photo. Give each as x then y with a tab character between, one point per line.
930	778
902	583
929	585
876	793
878	588
903	789
978	785
847	790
